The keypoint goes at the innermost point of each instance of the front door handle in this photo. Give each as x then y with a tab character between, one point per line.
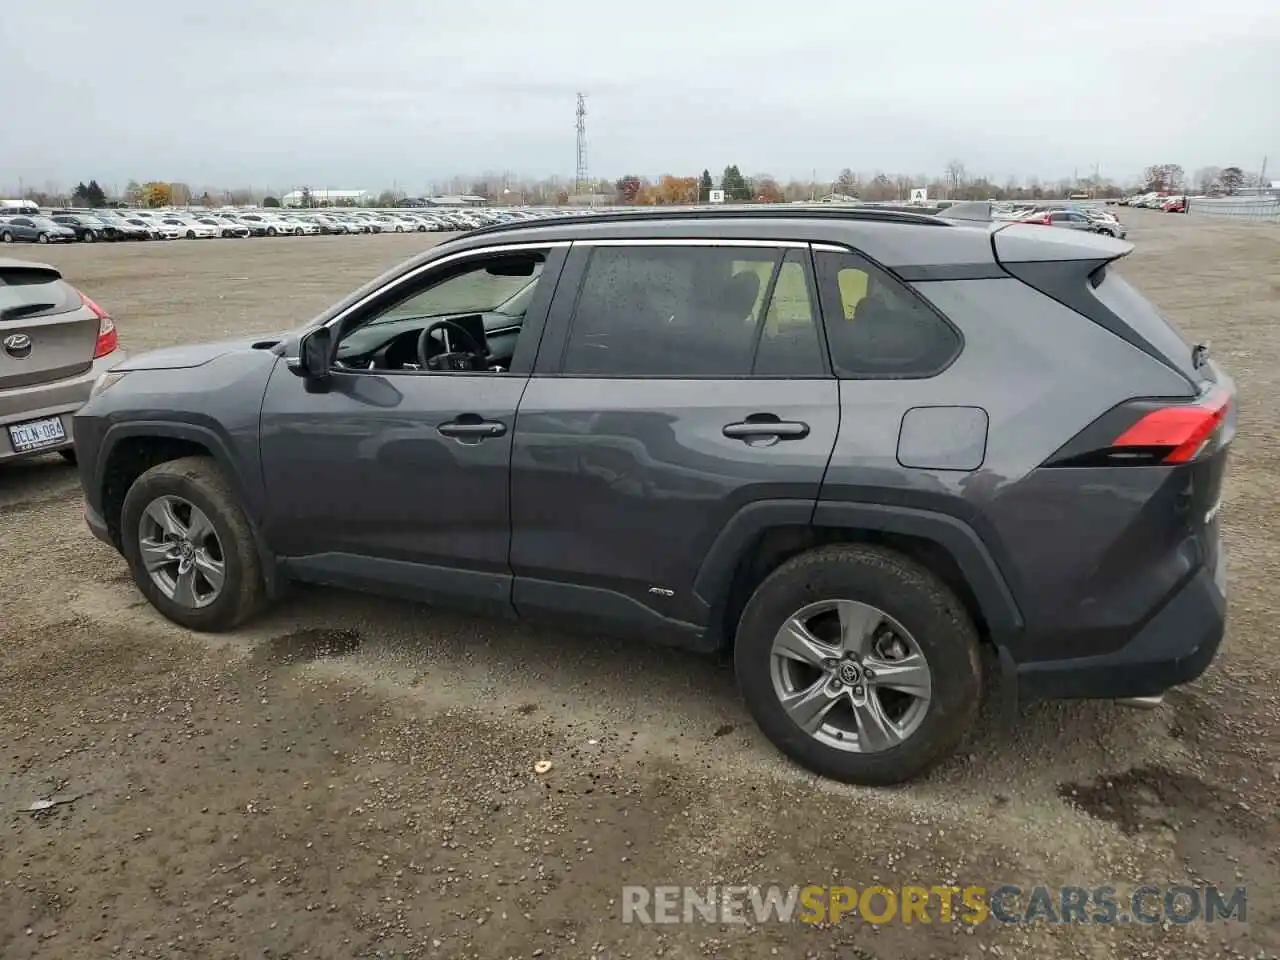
472	428
763	426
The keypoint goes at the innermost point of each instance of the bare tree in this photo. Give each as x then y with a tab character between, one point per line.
955	177
1231	178
1207	179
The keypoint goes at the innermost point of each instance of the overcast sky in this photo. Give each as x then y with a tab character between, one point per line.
278	93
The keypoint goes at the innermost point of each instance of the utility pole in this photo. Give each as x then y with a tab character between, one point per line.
580	166
1262	176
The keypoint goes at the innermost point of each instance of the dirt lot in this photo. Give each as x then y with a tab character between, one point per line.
352	777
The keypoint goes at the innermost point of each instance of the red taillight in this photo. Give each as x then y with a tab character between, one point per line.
1181	429
108	338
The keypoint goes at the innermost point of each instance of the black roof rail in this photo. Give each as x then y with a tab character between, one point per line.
918	216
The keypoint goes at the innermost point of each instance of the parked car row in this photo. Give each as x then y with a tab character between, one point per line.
65	226
1087	217
1156	201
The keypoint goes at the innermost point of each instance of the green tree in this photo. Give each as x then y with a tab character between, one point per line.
734	184
705	186
270	201
80	195
97	196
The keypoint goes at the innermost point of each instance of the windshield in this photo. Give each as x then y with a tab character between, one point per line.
476	291
518	305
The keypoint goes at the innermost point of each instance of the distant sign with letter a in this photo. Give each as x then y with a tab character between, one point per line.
919	195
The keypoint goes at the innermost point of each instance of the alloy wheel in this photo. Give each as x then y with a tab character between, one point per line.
850	676
181	551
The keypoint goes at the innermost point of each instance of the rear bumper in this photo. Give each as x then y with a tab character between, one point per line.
61	398
1174	647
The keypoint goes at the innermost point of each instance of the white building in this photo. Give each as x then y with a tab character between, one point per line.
328	198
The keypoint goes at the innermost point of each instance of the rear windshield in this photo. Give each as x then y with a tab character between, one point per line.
1127	303
27	293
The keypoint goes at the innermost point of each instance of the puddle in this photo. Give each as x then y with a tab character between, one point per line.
311	643
1141	799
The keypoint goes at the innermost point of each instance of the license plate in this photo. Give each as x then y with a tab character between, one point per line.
36	434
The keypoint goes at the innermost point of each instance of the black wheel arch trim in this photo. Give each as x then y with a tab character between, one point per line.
221	453
979	568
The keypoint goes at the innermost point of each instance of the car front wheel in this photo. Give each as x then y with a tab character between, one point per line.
859	664
190	547
6	237
43	238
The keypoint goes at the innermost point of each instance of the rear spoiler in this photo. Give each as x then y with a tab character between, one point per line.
16	273
1014	242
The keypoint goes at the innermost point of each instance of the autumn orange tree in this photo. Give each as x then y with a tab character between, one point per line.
768	191
157	193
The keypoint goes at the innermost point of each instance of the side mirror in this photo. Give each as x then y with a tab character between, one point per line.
314	354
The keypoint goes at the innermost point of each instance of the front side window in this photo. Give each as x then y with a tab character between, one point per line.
693	311
477	308
876	326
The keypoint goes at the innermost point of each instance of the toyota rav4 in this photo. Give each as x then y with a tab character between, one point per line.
856	449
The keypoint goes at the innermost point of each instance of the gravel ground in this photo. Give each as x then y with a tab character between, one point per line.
353	777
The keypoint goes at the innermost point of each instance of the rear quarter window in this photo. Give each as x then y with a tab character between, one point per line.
877	328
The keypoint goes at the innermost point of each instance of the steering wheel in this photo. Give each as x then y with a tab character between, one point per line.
476	358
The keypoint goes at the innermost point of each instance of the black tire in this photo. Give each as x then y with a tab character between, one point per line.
271	231
297	232
43	238
6	237
90	236
910	594
191	234
198	481
68	454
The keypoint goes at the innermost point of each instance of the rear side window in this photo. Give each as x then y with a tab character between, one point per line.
27	292
688	311
877	327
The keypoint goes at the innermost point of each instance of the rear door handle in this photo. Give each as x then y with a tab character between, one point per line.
755	428
466	428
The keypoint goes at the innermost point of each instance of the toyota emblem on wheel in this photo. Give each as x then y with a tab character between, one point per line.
17	345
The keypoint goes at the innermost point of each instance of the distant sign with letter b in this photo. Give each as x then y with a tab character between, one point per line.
716	196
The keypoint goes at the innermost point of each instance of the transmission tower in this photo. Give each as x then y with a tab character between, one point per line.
580	176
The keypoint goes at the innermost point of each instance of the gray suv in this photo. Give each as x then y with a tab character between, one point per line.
857	449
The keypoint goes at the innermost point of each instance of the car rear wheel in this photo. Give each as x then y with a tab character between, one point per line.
190	547
859	664
6	237
90	236
297	231
271	231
